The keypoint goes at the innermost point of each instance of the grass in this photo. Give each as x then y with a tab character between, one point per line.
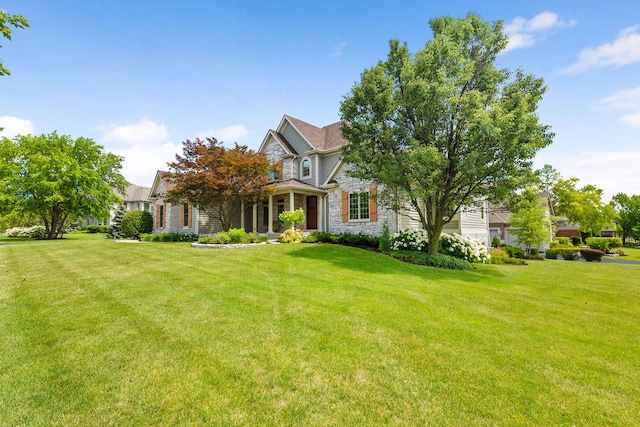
96	332
631	254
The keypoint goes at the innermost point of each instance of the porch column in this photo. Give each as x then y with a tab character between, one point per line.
242	216
291	201
320	213
270	229
255	218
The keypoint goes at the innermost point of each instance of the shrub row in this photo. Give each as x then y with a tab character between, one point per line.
347	239
439	261
169	237
93	229
500	256
567	253
604	243
233	236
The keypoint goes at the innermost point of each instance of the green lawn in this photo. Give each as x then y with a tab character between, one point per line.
96	332
631	254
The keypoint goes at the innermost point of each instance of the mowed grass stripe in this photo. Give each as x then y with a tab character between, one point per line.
163	334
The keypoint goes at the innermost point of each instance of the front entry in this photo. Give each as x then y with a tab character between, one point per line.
312	212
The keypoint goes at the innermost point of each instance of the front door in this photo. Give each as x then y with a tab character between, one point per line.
312	212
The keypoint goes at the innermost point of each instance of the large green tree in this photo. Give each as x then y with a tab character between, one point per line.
530	218
217	179
6	22
58	179
628	215
444	127
583	206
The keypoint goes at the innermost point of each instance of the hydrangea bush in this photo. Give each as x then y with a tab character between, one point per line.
35	232
463	247
454	245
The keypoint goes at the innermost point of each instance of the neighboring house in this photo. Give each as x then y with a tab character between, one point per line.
567	229
137	199
499	223
167	217
311	176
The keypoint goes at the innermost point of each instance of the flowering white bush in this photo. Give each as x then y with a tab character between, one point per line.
450	244
463	247
410	240
35	232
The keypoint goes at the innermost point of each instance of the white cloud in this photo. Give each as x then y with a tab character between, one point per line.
627	101
624	50
143	132
229	134
525	33
14	126
614	172
145	147
141	162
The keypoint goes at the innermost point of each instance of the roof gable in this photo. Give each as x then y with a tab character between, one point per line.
322	139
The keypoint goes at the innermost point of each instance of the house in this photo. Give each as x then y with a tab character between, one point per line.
313	177
499	222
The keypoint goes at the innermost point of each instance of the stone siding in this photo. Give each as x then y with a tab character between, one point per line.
371	228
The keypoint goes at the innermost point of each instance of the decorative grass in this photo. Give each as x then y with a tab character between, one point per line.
96	332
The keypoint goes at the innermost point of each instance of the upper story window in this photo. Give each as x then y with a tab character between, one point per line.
305	168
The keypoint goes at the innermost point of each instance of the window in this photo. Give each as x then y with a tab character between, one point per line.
185	214
359	206
161	216
305	168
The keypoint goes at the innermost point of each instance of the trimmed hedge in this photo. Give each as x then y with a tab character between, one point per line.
592	254
568	254
604	243
438	261
169	237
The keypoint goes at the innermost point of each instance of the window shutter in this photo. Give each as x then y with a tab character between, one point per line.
157	216
373	204
345	206
181	215
190	218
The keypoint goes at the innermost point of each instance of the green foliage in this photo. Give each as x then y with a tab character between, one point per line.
564	241
169	237
628	215
604	243
568	254
592	254
438	261
58	179
496	242
530	218
291	236
499	256
135	223
233	236
576	240
6	22
385	239
513	251
359	239
583	206
115	230
292	218
93	229
444	127
318	237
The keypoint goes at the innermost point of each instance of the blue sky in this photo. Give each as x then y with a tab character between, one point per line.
139	77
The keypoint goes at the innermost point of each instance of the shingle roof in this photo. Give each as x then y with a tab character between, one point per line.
322	139
137	193
278	136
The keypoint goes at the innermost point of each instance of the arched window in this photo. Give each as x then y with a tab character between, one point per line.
305	168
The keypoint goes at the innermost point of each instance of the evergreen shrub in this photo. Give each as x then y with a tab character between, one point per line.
592	254
135	223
